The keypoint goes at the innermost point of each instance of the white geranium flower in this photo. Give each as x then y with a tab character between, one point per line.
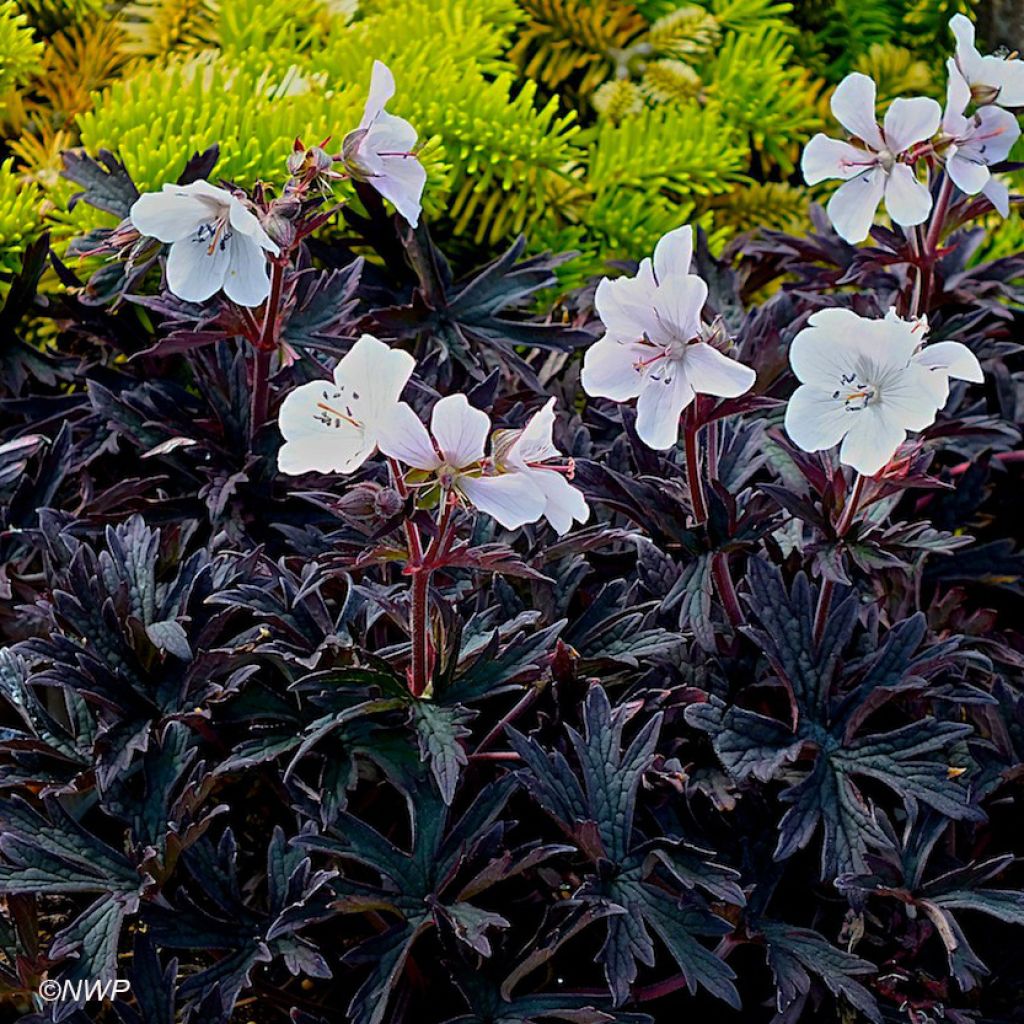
984	138
380	150
333	428
530	451
216	242
655	348
453	456
992	79
864	383
874	162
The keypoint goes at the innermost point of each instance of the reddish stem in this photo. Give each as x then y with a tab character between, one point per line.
726	588
693	480
260	395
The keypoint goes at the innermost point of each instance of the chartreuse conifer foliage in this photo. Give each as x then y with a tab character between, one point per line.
594	125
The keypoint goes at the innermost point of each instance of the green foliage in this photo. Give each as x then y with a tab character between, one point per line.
594	124
20	221
19	51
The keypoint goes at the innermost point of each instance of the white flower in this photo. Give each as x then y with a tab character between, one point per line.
984	138
454	458
216	242
380	150
992	79
864	383
655	347
873	163
528	451
333	428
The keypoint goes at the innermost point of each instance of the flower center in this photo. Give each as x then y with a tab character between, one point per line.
330	415
216	232
854	393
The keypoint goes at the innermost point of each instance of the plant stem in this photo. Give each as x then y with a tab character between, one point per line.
514	712
419	629
419	608
693	479
931	242
264	350
260	395
726	588
928	250
828	586
268	337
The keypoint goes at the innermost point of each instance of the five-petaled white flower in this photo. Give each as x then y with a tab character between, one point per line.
530	451
452	456
992	79
380	150
873	163
975	142
655	348
866	382
216	242
333	427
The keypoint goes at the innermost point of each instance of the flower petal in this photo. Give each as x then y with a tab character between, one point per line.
626	305
954	358
382	88
677	307
402	180
815	420
910	121
871	441
674	253
512	498
534	443
665	394
823	352
995	134
711	372
968	58
853	106
968	175
907	200
168	216
912	401
194	271
998	195
245	222
852	208
563	503
403	437
609	369
459	430
958	91
246	281
372	376
825	158
315	441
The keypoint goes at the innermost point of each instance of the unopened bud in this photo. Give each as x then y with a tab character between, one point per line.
279	227
388	503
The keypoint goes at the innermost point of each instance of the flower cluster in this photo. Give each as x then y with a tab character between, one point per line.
336	427
215	234
657	349
885	161
865	383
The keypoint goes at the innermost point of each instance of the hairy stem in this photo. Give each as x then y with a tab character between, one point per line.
842	528
419	630
693	480
726	588
260	394
268	336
